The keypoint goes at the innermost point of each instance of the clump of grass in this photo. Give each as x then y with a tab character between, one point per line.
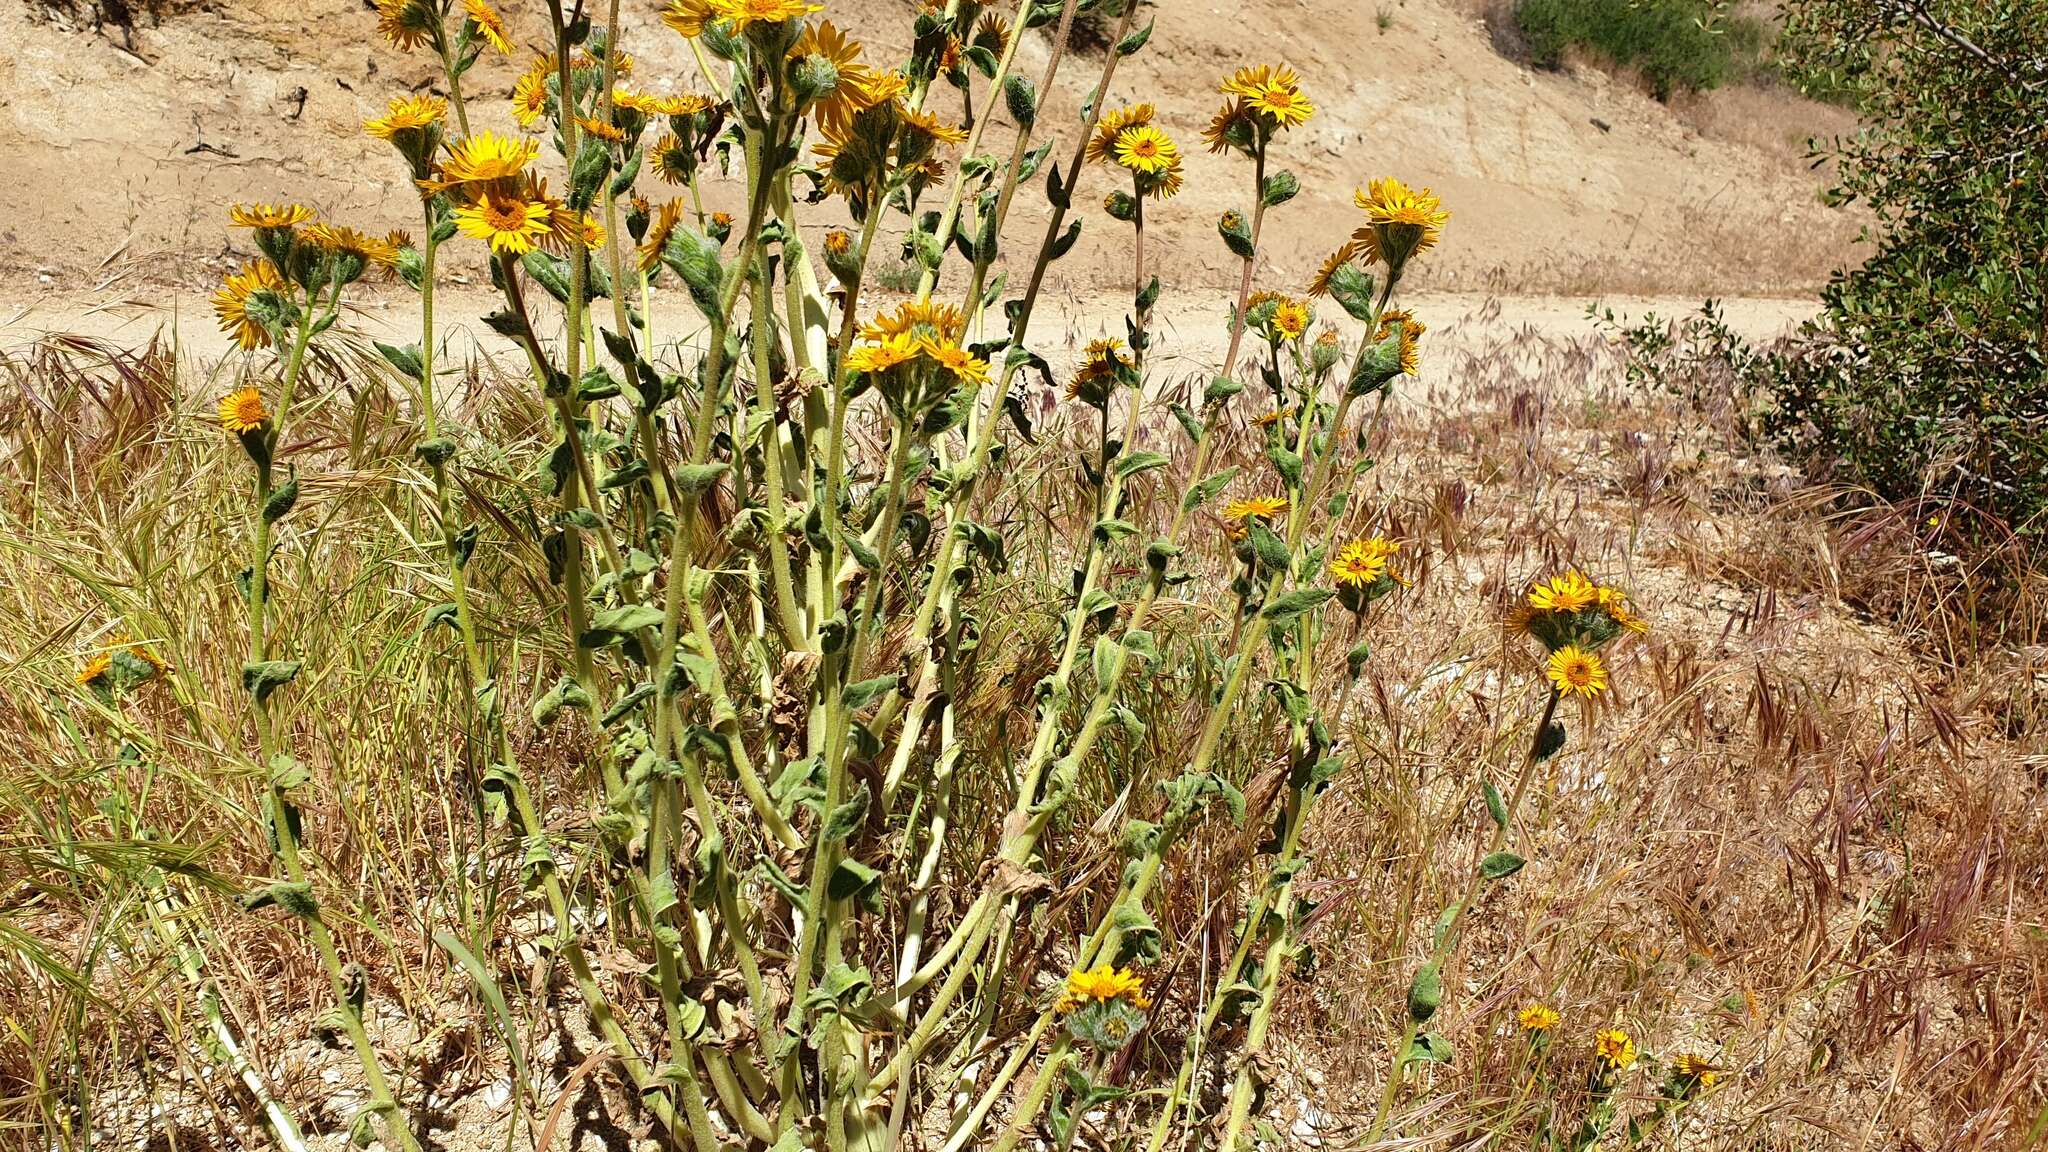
1677	45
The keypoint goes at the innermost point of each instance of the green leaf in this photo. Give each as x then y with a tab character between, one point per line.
1495	807
626	619
279	503
1430	1048
861	693
1138	462
405	359
846	819
1207	489
264	677
493	997
1292	604
1136	40
692	479
1501	865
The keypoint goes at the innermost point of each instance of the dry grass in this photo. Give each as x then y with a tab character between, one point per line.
1805	841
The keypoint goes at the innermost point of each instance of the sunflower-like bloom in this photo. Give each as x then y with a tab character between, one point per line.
406	24
1100	985
688	17
1538	1017
566	225
1146	150
875	358
1614	602
231	304
744	14
407	114
1401	222
1272	92
992	33
859	88
673	160
1411	330
1264	508
964	366
610	133
1615	1048
489	24
1101	365
269	215
665	221
1362	562
941	322
1114	123
1574	671
648	104
95	667
1567	593
485	159
371	250
928	124
1231	127
1697	1070
1291	319
511	223
529	99
242	411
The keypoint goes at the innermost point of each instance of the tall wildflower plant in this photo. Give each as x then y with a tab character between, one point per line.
770	554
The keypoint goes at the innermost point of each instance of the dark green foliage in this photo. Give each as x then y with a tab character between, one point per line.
1678	45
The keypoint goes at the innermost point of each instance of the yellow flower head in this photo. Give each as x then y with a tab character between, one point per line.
1112	124
1538	1017
1698	1069
1411	331
672	161
1401	222
1097	373
406	24
1264	508
688	17
993	33
269	215
1146	149
511	223
1615	1048
242	411
489	24
566	225
1274	93
1291	319
838	243
924	318
1614	602
1362	562
664	226
407	114
743	14
883	355
231	303
928	124
1567	593
96	666
371	250
1230	127
486	158
1573	670
965	367
610	133
860	87
1320	285
1102	984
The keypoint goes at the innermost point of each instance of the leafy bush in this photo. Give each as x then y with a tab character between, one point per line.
1678	45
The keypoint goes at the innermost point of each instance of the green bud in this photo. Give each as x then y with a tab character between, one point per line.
1237	234
1279	188
1022	99
1120	206
814	78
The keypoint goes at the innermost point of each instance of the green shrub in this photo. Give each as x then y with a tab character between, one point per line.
1678	45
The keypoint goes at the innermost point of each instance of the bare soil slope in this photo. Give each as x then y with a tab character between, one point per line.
125	143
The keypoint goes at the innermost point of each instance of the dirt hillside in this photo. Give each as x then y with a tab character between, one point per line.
125	142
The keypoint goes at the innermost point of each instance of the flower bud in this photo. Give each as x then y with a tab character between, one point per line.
1237	234
1120	206
814	78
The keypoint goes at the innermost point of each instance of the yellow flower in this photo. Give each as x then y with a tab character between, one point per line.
1146	149
1231	116
97	666
1696	1068
1101	985
1614	602
1098	370
664	226
941	322
371	249
1390	205
647	104
269	215
1112	124
1320	285
838	243
1254	508
1538	1017
1361	562
688	17
993	33
1291	319
512	224
1614	1048
882	356
672	161
860	87
743	14
484	158
488	24
929	124
231	303
566	224
1411	331
530	97
407	114
242	411
1272	418
1572	670
1567	593
407	24
1274	92
965	367
603	131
